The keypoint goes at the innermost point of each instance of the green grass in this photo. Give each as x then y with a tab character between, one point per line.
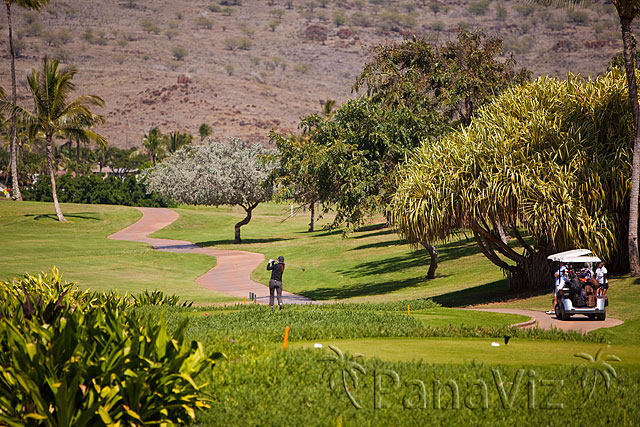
519	352
369	265
34	241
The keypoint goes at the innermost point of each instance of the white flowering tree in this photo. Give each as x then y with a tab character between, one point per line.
216	173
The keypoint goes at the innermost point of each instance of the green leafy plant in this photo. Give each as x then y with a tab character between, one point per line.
70	358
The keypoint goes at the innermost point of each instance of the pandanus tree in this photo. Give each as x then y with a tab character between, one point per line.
216	173
55	116
32	5
550	160
627	11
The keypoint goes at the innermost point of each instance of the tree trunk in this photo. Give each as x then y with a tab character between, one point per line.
500	231
77	156
52	174
627	40
15	185
249	209
312	208
433	265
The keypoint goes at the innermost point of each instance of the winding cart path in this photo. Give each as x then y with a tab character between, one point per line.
545	321
231	275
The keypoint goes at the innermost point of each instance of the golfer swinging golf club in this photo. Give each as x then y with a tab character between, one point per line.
275	283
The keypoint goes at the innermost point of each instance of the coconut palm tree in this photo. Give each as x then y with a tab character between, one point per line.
204	131
155	143
54	116
33	5
627	11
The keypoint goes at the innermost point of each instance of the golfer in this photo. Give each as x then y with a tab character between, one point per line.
275	283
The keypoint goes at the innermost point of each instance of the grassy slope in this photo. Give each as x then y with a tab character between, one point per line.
372	265
34	241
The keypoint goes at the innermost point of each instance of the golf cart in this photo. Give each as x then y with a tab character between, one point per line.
579	295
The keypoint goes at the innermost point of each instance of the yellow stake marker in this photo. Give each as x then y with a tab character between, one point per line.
408	313
245	300
286	338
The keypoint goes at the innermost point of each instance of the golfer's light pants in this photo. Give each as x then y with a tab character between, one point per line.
273	286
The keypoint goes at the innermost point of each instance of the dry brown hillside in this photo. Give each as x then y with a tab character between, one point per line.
247	66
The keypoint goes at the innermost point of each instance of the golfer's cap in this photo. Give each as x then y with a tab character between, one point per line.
281	258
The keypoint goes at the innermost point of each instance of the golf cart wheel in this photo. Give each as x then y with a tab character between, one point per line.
601	316
558	312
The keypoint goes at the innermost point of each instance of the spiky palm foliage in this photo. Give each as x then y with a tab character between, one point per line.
627	11
552	158
55	116
204	130
156	144
178	140
31	5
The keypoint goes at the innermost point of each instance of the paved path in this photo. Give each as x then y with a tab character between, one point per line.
231	275
546	321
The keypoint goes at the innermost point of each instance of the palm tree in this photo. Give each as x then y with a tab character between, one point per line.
204	130
178	139
54	116
627	11
155	144
33	5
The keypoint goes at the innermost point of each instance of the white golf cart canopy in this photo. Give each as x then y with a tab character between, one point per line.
574	256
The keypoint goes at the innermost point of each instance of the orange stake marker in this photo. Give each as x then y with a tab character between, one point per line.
408	313
286	338
245	300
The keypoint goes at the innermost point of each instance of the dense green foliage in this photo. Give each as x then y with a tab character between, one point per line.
91	189
72	358
551	158
415	91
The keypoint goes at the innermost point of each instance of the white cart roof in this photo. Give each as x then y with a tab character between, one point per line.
582	259
563	256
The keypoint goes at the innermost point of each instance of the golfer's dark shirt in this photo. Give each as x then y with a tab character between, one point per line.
276	271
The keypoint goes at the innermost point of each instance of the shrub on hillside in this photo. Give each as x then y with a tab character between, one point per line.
96	190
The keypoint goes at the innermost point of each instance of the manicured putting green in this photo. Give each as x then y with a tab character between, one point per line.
456	350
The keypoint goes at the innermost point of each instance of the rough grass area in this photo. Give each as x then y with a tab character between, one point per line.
408	376
33	241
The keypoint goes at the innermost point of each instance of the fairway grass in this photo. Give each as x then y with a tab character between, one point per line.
34	241
519	352
371	265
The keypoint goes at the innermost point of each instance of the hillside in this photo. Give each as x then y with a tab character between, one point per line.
247	66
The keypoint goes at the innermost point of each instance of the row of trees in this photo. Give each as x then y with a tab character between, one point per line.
548	163
413	91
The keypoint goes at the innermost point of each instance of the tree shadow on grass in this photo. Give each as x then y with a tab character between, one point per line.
80	215
244	242
365	289
417	258
484	294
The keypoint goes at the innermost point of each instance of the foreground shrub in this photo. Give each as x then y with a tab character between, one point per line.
72	358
